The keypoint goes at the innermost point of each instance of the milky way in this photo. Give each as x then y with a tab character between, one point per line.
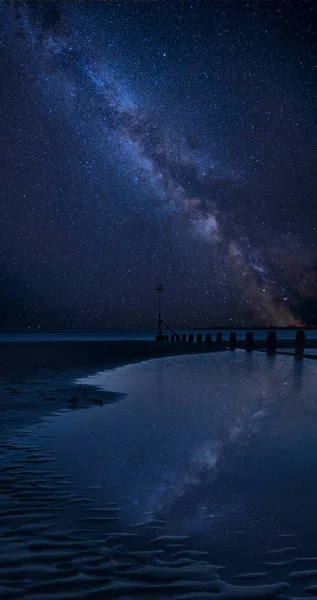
201	194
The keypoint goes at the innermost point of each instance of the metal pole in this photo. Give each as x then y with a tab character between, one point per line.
159	314
159	288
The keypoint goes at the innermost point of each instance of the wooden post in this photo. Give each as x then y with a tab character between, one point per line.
172	338
271	342
299	345
184	337
208	338
233	340
219	338
166	338
178	337
199	338
191	338
249	341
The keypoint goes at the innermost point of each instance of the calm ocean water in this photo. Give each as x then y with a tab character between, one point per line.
136	334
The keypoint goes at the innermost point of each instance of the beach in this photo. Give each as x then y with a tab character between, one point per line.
37	378
61	542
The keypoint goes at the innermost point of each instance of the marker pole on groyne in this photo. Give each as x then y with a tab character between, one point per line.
159	288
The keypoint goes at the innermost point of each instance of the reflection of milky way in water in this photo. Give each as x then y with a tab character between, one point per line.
199	481
209	445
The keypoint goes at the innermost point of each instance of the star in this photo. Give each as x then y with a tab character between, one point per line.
197	170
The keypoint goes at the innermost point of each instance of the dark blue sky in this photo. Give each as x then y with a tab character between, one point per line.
147	142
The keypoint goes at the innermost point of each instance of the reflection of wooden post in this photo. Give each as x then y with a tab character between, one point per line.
208	338
233	340
199	338
299	345
191	338
249	341
184	338
219	338
271	342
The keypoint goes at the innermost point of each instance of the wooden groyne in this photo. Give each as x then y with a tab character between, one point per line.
272	344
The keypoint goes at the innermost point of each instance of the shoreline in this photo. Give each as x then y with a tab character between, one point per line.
38	378
56	356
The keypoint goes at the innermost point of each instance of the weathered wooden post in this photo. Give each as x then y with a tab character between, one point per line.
172	338
199	338
208	338
184	337
299	345
178	337
233	340
166	338
191	337
271	342
249	341
219	338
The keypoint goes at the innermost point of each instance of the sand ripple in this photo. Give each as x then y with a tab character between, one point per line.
56	545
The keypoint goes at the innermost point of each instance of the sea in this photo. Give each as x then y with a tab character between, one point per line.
137	334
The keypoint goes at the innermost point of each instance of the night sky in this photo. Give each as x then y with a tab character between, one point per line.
158	142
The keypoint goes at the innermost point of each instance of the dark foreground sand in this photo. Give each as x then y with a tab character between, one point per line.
56	357
56	544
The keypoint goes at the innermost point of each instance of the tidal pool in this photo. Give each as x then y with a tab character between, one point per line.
218	447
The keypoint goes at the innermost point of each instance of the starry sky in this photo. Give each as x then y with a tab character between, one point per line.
158	142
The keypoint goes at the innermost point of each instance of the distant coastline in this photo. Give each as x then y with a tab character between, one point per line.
109	331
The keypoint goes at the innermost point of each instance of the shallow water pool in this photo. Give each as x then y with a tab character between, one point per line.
221	448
